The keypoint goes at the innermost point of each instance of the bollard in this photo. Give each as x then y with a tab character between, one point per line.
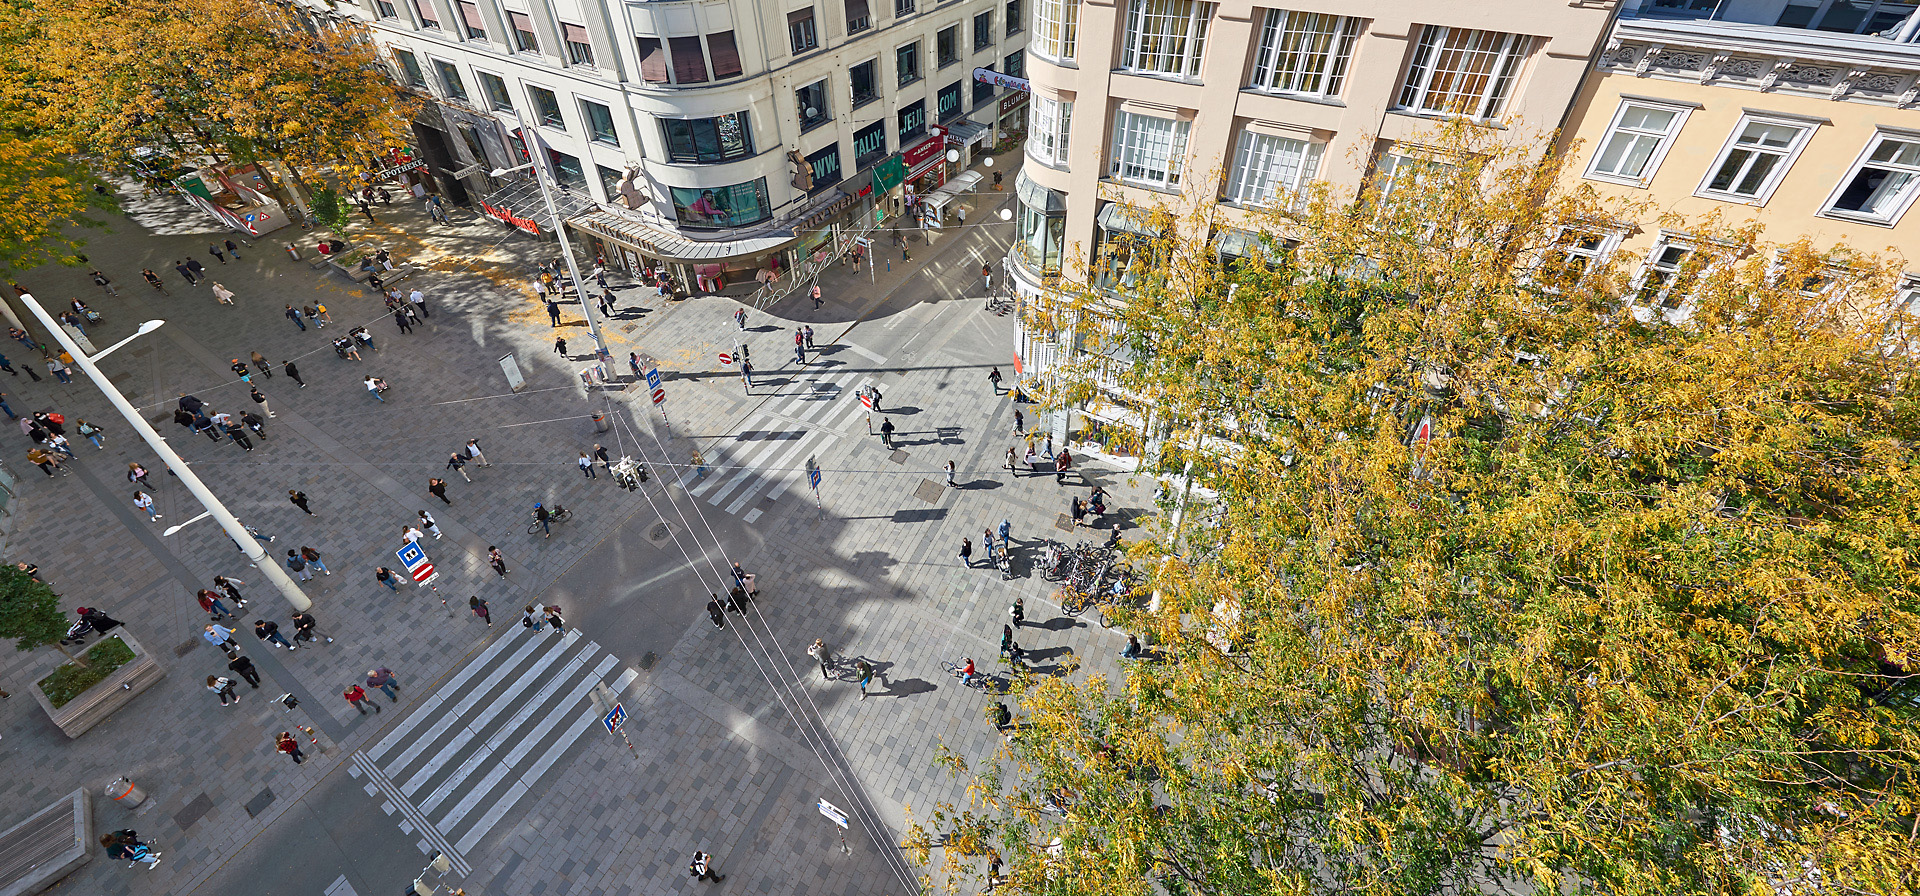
600	422
293	251
125	792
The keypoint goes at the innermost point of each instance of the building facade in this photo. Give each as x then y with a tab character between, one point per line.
1242	103
728	140
1802	116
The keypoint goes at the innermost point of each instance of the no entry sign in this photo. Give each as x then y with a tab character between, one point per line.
726	358
659	396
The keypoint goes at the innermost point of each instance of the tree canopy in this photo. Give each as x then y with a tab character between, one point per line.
29	610
1637	617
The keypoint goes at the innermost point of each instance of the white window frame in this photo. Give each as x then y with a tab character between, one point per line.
1261	176
1166	37
1609	242
1142	157
1659	154
1434	54
1056	29
1049	131
1651	264
1297	48
1901	204
1778	173
1402	156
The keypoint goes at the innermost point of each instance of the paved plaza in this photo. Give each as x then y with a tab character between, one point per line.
493	754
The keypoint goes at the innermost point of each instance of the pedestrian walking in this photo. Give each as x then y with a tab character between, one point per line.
799	352
60	371
1002	719
1018	611
144	501
290	745
816	298
299	320
222	687
233	250
154	281
600	456
586	466
993	377
403	319
320	316
293	373
886	431
239	436
222	637
427	523
4	406
375	386
127	846
299	499
357	698
221	294
313	559
560	346
306	628
387	577
740	318
1031	459
950	482
458	464
1062	463
633	364
410	534
383	679
553	312
211	604
438	488
213	249
966	552
260	363
1019	422
419	300
186	273
555	619
808	331
103	281
714	613
473	453
269	631
253	422
479	608
230	586
496	561
299	566
243	667
702	868
824	657
531	618
865	670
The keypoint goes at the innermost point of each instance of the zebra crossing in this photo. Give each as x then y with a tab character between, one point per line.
769	454
461	761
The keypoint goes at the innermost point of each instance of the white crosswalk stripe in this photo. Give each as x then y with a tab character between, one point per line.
468	754
769	455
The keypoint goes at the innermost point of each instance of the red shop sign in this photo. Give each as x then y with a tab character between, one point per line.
925	149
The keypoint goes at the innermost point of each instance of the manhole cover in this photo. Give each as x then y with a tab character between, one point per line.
659	534
647	661
929	491
899	456
260	803
1064	523
629	328
193	811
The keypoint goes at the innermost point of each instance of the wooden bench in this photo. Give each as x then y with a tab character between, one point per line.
36	853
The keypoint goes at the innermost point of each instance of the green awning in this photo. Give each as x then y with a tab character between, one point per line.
890	173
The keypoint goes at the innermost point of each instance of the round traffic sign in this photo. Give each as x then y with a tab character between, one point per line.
726	358
659	396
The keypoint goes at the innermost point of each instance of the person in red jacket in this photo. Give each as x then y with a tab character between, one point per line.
358	697
288	744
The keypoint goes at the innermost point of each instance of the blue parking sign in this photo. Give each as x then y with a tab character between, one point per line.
411	556
653	377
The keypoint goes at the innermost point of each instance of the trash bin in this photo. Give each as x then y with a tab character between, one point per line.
600	423
125	792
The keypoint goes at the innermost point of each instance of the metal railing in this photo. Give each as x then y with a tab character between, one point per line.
774	290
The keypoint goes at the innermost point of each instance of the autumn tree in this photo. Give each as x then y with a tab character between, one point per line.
1638	616
44	191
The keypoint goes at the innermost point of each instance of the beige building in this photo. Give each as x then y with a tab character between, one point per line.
1799	115
1137	103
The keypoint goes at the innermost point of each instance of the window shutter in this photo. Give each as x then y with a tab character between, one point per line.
856	10
795	18
689	60
520	21
653	60
470	13
575	33
726	56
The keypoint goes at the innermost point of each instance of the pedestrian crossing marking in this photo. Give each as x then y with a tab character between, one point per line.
340	887
784	429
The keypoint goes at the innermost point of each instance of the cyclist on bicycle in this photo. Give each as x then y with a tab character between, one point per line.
967	673
540	513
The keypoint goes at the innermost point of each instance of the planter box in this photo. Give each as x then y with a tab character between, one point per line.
36	853
103	699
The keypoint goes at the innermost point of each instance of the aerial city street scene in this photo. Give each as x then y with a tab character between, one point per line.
1110	448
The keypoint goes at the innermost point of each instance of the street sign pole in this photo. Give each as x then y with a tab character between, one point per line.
813	478
613	716
833	814
417	565
659	396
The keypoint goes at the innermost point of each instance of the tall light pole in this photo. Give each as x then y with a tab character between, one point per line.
235	530
533	144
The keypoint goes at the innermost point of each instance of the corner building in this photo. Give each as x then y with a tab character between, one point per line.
1138	103
731	141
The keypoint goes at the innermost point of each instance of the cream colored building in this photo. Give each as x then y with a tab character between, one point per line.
1138	103
1800	115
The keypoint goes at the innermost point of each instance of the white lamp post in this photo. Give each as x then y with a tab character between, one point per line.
154	440
533	145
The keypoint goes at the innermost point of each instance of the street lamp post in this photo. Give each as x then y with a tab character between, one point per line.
235	530
533	145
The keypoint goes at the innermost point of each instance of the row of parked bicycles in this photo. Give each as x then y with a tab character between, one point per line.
1089	574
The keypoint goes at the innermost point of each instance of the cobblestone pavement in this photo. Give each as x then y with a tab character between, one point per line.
735	735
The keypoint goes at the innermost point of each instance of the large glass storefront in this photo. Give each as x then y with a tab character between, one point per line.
1041	230
735	206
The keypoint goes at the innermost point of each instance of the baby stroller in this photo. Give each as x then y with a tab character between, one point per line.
78	632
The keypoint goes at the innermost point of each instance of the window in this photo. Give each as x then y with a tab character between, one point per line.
1575	251
599	120
708	140
547	107
946	103
1271	171
1016	64
410	68
385	10
579	45
1015	24
450	79
906	61
1304	53
1663	280
1753	162
1401	168
1845	16
1042	230
858	19
496	90
609	182
982	90
1056	28
523	36
1457	71
865	78
429	17
653	60
735	206
946	46
1636	142
869	144
800	31
1882	184
476	28
825	167
1166	36
726	55
689	60
902	8
811	101
1147	150
1050	119
566	169
913	121
983	30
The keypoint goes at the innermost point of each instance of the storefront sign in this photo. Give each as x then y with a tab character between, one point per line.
1011	102
1001	80
890	172
926	150
385	173
507	215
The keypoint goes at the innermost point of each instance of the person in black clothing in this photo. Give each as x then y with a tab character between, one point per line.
299	499
886	431
243	667
304	628
714	612
102	623
294	372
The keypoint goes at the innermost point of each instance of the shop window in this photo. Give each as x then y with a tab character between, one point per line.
708	140
735	206
982	90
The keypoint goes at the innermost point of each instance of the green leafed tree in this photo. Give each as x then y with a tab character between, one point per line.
1637	615
29	610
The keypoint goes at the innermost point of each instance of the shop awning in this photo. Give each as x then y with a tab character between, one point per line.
666	244
1116	217
966	133
890	173
519	204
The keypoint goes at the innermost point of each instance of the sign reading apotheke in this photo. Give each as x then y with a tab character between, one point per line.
1001	80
